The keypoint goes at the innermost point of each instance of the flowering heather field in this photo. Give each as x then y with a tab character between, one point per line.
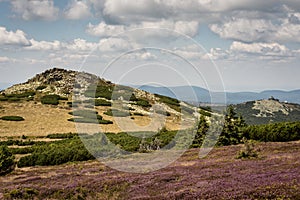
274	175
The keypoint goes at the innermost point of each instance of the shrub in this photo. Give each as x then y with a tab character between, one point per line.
248	150
98	102
138	114
6	160
57	153
62	135
171	102
143	103
116	113
41	87
52	99
12	118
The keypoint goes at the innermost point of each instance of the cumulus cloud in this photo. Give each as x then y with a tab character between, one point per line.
13	38
114	44
44	45
81	45
247	30
104	30
77	10
265	49
4	59
285	29
41	10
189	28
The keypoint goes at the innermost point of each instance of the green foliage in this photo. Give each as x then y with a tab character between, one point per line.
51	99
98	102
143	103
277	132
101	90
248	150
90	120
233	125
28	95
133	98
62	135
88	116
20	142
138	114
56	153
41	87
117	113
202	129
6	160
205	112
171	102
12	118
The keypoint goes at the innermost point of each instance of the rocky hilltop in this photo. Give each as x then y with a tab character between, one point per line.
56	81
268	110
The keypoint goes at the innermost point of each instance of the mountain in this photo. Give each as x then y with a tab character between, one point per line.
200	95
268	111
53	100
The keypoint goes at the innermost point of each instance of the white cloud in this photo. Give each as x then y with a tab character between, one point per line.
189	28
80	45
265	49
114	44
78	10
4	59
285	29
13	38
44	45
31	9
247	30
104	30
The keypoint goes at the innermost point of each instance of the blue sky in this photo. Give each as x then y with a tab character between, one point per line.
236	45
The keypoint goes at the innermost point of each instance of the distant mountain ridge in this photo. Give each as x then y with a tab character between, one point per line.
198	94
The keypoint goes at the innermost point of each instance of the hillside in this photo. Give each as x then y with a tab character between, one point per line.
268	111
59	92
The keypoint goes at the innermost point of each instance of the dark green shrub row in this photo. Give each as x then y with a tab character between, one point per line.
277	132
116	113
12	118
90	121
62	135
187	109
98	102
41	87
138	114
104	91
56	153
171	102
84	113
28	95
6	160
21	150
52	99
21	142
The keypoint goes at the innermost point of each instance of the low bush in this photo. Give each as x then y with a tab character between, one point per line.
41	87
116	113
56	153
62	135
52	99
6	160
98	102
12	118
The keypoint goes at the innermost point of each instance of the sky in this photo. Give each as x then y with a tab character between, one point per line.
232	45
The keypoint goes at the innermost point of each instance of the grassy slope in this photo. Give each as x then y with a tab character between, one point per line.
274	175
